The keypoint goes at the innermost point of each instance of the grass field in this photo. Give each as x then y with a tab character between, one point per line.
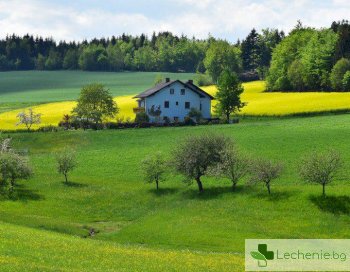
19	90
45	86
176	228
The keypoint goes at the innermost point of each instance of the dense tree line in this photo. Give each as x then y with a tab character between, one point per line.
312	59
161	52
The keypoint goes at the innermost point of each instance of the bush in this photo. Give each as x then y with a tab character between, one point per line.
195	114
338	72
141	117
189	121
49	128
203	80
346	81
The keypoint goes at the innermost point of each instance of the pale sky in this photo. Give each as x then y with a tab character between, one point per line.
227	19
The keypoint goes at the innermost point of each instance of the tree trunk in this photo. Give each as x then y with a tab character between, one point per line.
200	185
228	117
268	188
66	178
12	185
157	183
324	190
234	185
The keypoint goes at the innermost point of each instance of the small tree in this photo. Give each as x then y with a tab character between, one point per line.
94	103
229	94
158	79
14	167
153	168
141	118
320	168
265	171
66	162
28	118
197	154
195	114
234	166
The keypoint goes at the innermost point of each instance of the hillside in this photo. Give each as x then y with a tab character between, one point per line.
107	193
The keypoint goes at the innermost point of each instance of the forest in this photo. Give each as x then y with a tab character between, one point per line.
162	52
304	60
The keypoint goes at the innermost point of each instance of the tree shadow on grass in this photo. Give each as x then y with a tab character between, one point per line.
19	193
212	192
74	184
274	196
163	191
332	204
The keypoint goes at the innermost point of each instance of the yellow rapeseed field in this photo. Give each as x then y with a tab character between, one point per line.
259	103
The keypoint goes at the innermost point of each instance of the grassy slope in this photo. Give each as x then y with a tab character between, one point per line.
45	86
108	194
24	249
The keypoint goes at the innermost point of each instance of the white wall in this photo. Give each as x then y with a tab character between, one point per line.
178	110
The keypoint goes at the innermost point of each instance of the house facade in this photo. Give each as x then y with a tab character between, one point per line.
172	100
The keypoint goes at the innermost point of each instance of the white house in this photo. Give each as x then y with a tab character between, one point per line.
173	99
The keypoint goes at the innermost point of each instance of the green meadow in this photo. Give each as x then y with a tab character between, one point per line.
45	223
52	86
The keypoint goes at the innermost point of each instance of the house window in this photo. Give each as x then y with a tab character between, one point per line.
183	91
177	103
166	104
187	105
172	91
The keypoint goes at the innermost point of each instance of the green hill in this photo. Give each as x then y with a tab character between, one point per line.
107	194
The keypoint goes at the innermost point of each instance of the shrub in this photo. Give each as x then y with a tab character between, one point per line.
195	114
320	168
203	80
141	117
49	128
346	81
189	121
338	72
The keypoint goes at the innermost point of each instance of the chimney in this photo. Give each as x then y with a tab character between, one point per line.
190	81
167	80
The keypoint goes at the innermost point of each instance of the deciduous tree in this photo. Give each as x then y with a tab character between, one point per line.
94	103
197	154
321	168
229	94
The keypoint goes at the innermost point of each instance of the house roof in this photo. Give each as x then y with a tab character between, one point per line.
163	85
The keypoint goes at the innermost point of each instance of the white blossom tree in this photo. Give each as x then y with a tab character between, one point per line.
28	118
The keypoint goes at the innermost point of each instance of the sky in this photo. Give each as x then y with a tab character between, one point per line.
226	19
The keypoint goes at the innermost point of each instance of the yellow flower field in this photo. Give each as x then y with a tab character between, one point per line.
259	103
